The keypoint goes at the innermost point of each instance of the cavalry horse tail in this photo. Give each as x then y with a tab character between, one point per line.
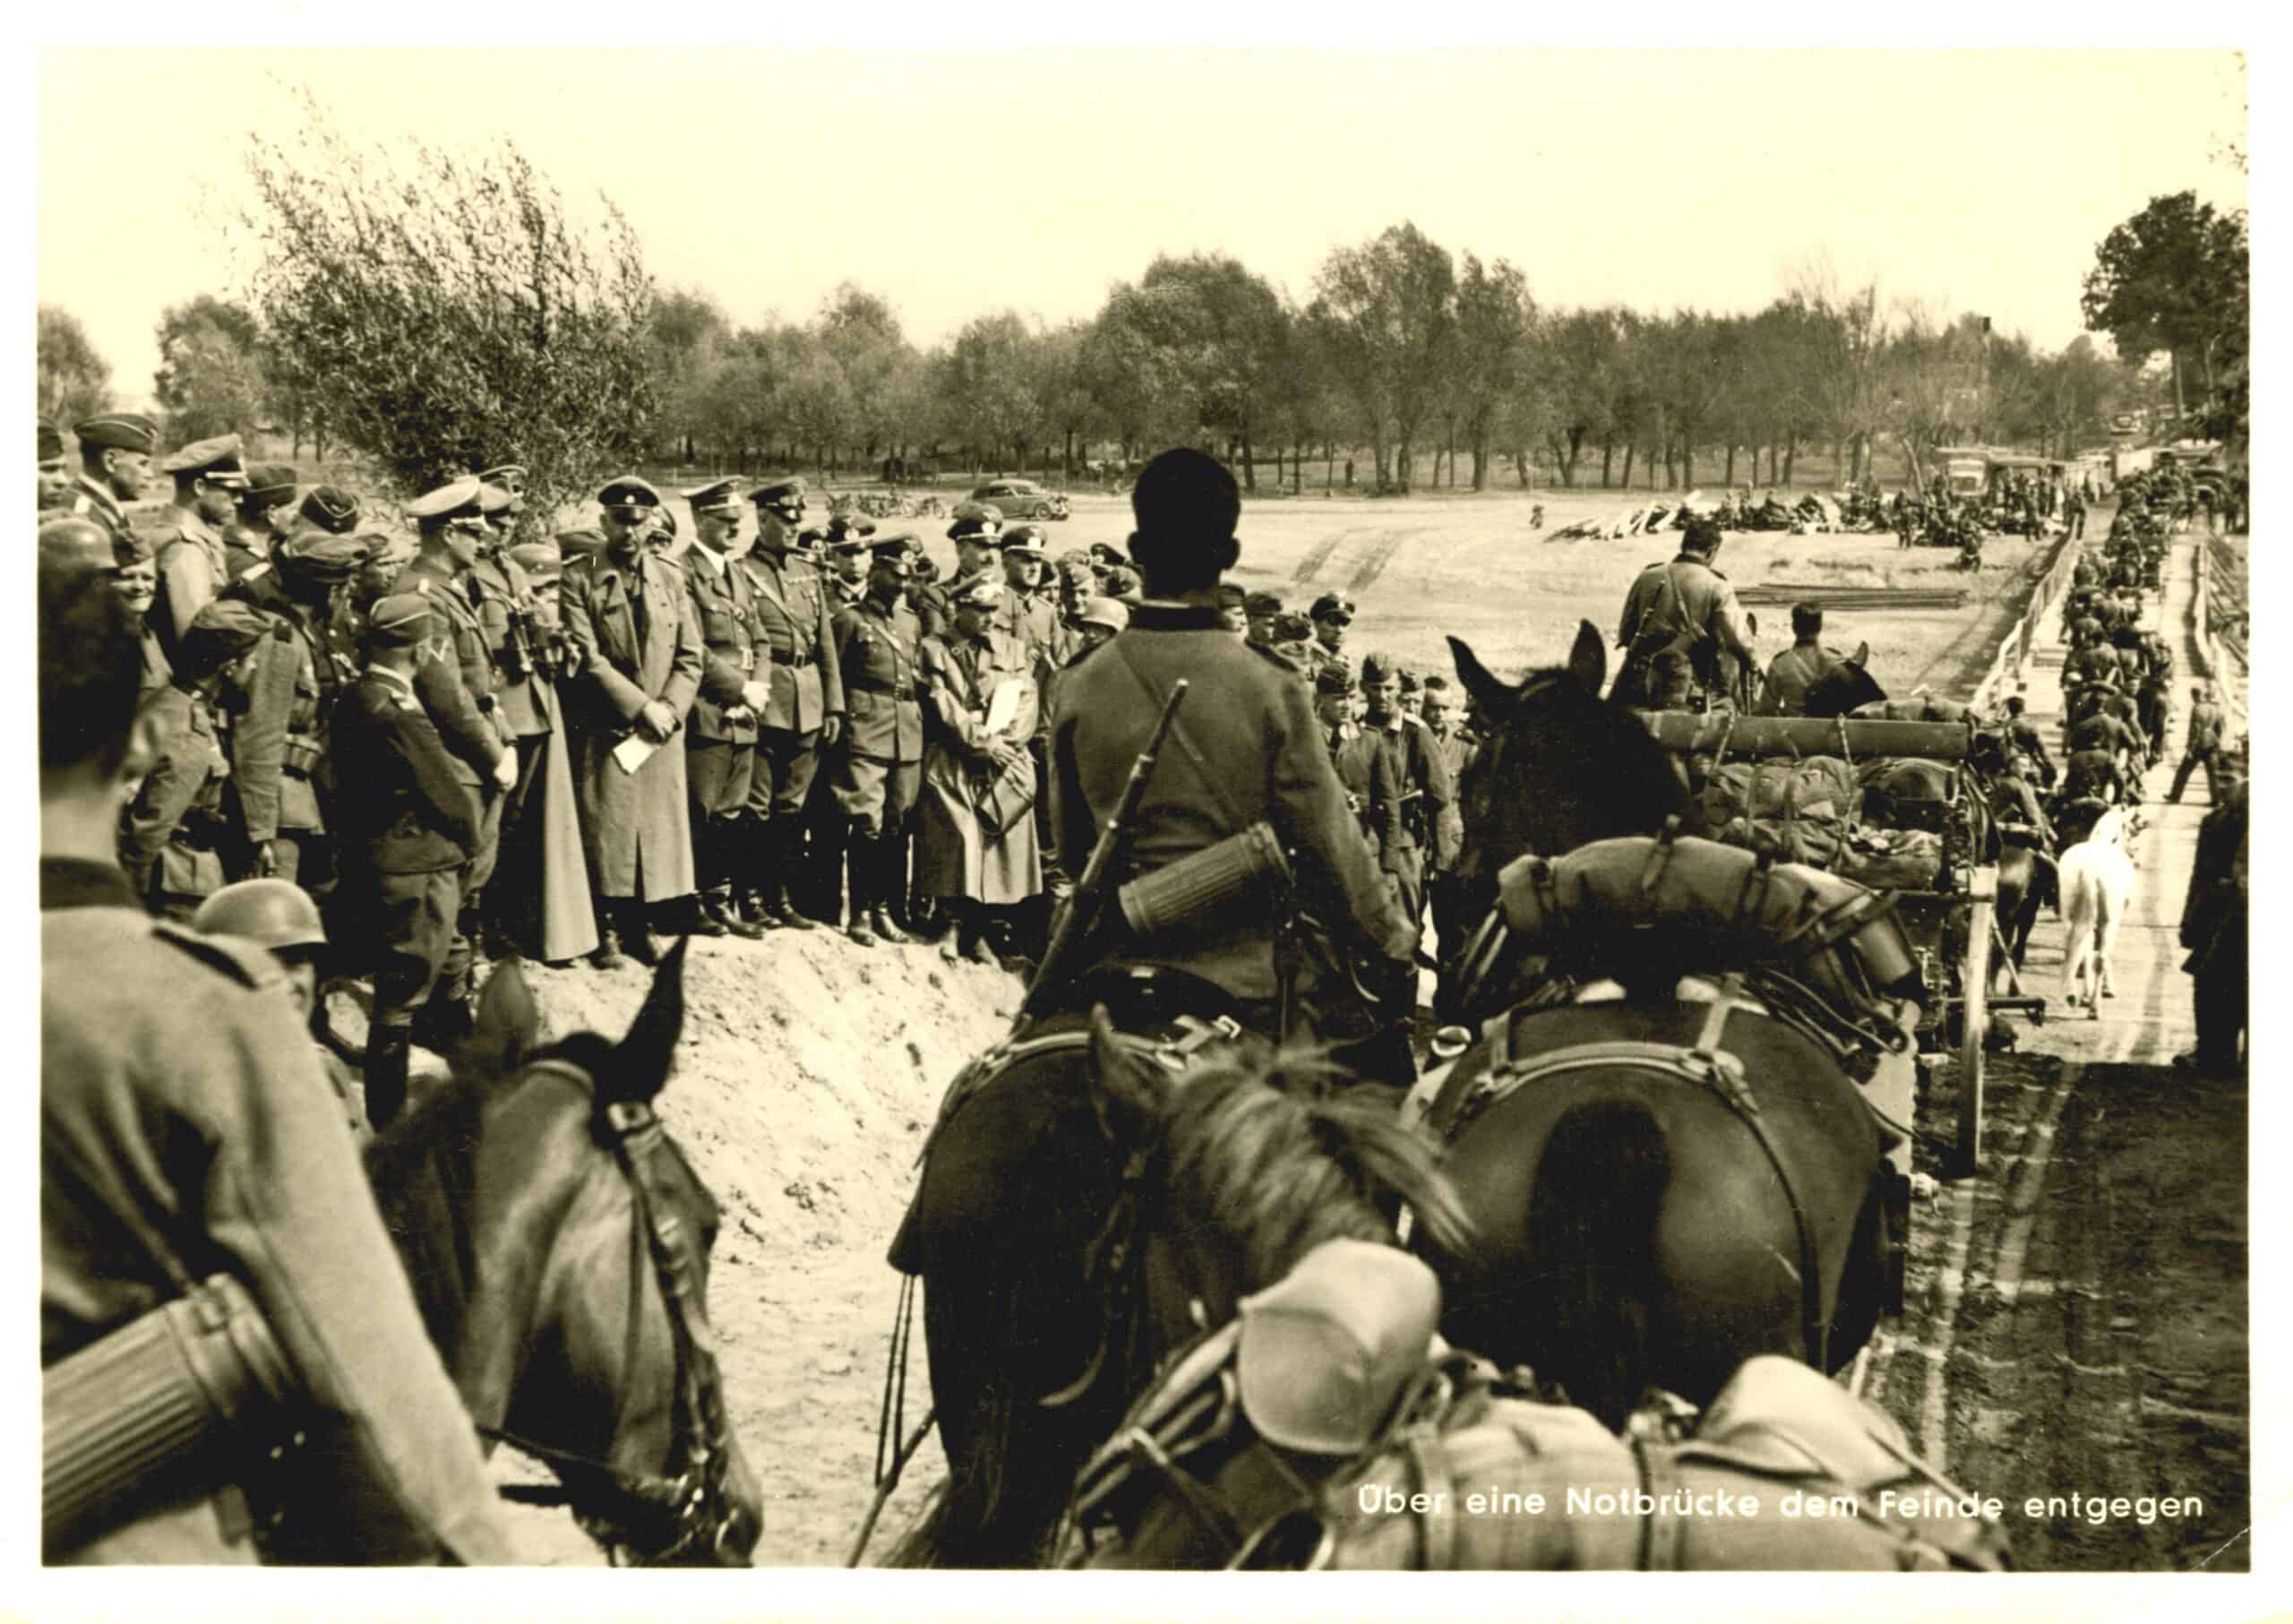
1592	1222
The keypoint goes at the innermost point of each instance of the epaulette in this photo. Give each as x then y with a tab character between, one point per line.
257	572
248	963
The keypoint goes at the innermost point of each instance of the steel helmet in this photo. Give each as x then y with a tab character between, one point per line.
277	913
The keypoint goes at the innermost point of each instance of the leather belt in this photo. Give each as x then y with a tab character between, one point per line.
782	658
865	687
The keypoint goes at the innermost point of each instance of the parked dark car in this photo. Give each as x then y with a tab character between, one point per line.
1022	499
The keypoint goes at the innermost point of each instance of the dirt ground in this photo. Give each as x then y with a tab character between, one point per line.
809	1073
2077	1318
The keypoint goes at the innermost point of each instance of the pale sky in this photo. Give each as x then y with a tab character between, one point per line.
956	182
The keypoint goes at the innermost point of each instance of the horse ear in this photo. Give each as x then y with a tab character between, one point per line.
1491	695
1125	1092
643	1059
1588	658
503	1034
1861	657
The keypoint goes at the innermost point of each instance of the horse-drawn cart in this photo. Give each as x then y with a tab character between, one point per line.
1918	828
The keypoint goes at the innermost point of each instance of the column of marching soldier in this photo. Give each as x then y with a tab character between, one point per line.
393	758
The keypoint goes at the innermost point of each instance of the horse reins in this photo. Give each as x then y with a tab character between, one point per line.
683	1514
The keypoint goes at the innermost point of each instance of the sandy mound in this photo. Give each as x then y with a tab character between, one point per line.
809	1073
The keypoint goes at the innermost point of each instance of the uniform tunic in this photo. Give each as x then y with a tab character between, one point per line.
171	844
279	742
193	567
91	502
406	835
796	648
878	765
633	641
1253	725
1679	625
460	684
1790	673
976	838
185	1130
720	737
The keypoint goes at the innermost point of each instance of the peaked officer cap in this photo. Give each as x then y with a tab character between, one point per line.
455	500
629	491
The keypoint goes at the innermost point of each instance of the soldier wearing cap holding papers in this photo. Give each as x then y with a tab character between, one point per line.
636	663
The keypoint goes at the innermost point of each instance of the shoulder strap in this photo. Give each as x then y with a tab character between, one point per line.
1185	739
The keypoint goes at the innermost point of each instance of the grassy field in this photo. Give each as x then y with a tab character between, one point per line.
1427	565
1424	566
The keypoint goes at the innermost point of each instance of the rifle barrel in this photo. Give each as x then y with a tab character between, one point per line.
1082	909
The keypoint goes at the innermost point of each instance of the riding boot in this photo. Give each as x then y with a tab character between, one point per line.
859	858
758	874
389	1049
782	900
637	933
890	863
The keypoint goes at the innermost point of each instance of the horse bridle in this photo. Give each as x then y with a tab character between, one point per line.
685	1513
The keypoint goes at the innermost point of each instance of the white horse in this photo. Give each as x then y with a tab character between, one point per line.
2097	885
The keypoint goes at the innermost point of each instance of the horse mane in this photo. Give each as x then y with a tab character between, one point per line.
423	1169
1268	1158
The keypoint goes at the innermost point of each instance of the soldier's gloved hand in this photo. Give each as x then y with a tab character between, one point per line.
832	729
656	721
505	770
756	696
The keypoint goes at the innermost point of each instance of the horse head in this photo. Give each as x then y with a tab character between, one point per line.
1843	687
558	1243
1557	765
1234	1171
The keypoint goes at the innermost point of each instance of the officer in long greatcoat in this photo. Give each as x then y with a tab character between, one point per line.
878	768
720	735
804	708
976	832
636	658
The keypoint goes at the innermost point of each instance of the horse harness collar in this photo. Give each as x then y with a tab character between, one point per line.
684	1515
1704	1064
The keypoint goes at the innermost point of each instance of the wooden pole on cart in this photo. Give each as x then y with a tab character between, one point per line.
1974	987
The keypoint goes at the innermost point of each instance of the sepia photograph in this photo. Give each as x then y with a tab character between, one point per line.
868	807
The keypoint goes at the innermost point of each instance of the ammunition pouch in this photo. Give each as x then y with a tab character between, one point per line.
176	1402
1208	892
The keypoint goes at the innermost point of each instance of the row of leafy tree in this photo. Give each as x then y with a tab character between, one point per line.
451	313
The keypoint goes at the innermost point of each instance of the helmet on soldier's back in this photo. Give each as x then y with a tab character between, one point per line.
277	913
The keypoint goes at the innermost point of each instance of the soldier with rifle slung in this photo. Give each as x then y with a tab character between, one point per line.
1245	752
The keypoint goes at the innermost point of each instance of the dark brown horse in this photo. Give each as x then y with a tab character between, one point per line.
1635	1229
1023	1191
558	1240
1231	1175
